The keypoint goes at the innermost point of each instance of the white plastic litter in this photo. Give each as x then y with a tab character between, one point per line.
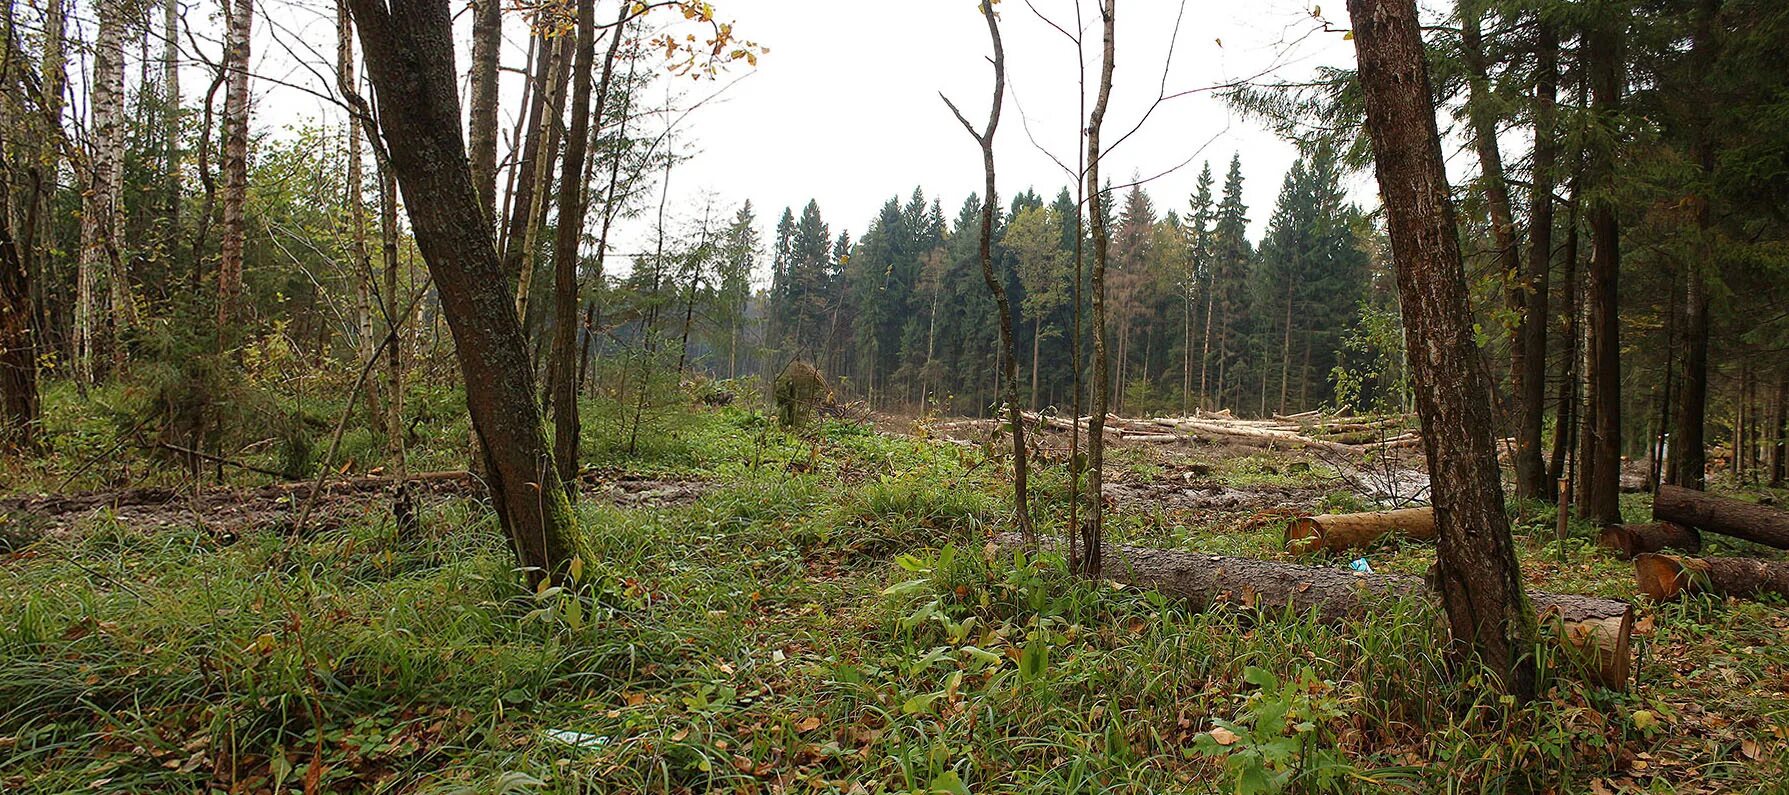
577	739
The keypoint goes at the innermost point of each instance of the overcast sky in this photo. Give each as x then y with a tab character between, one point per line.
845	107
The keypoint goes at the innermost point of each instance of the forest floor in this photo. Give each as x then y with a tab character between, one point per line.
815	612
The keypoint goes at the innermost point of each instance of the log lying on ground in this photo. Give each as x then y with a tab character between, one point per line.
1339	531
1150	437
1664	577
1635	539
1729	517
1595	630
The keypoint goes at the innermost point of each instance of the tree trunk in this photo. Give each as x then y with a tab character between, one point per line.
1483	118
1336	532
1205	349
409	47
1037	336
1635	539
1566	424
1601	483
569	232
1665	577
524	256
547	104
356	226
235	167
1689	450
101	259
1286	350
18	350
1779	454
1093	528
1008	333
1597	631
1759	524
42	171
487	41
1476	569
171	130
1529	373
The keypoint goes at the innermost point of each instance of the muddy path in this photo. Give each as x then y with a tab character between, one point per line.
276	507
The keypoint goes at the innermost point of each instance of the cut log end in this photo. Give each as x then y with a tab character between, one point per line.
1601	641
1661	577
1304	535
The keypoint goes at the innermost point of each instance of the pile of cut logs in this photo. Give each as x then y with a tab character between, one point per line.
1680	516
1312	430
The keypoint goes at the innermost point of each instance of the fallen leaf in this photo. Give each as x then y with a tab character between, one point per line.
1223	736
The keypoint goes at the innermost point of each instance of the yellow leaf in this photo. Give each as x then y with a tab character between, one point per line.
577	568
1644	719
1349	36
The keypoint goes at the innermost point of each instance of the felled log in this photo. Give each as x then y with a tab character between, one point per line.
1636	539
1664	577
1150	437
1729	517
1338	531
1596	630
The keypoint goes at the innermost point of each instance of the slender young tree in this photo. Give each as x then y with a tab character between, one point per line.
1093	528
989	206
1482	114
1476	569
569	233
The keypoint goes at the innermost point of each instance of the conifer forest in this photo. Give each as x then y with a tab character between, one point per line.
983	396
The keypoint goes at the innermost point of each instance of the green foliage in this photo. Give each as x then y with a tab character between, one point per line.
1277	739
1373	375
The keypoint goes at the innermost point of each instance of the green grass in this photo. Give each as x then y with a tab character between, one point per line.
829	619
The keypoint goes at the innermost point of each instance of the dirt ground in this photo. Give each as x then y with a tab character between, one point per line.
279	506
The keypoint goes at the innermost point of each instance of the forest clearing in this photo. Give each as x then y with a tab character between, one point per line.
820	611
407	396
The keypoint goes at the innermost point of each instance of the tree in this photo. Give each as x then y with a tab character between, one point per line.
574	200
1531	388
1198	243
408	46
487	40
239	22
1033	235
1093	530
738	258
1476	568
996	286
1227	289
1689	451
1527	391
1600	461
102	209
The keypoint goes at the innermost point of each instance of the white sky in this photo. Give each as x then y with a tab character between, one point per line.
845	108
